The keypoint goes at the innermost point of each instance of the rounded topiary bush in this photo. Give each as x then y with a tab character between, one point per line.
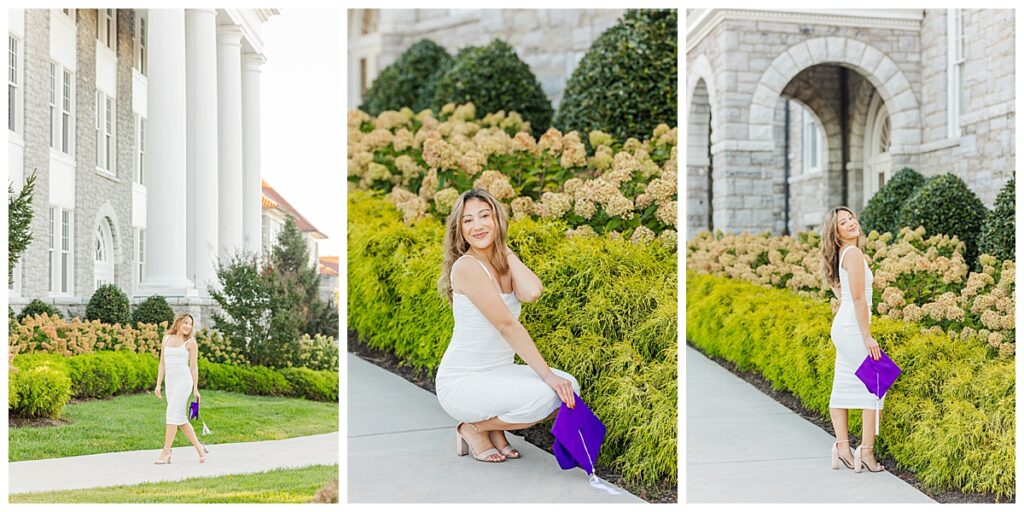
997	233
946	205
626	84
109	305
42	391
882	210
153	310
38	307
401	84
493	78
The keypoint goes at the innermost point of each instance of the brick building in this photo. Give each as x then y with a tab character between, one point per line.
792	113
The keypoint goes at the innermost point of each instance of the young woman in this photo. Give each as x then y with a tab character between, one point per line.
179	361
847	272
478	382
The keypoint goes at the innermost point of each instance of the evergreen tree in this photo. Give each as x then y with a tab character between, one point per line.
19	218
290	259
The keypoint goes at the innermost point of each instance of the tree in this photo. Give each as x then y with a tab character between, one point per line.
289	260
245	303
19	218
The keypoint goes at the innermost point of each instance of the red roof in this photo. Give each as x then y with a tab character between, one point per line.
329	265
272	199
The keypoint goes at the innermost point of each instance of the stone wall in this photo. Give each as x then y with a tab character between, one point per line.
35	260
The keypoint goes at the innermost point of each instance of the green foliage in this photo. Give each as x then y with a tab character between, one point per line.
313	385
19	218
153	310
38	307
42	387
493	78
216	348
318	353
259	380
297	287
882	210
245	308
949	417
104	374
109	305
998	237
409	81
626	83
607	316
946	205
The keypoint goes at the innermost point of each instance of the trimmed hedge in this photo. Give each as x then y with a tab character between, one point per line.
406	81
153	310
39	391
314	385
946	205
949	417
626	83
882	211
38	307
109	305
608	316
493	78
998	237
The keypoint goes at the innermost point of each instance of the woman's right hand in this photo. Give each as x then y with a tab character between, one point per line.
563	388
157	392
873	349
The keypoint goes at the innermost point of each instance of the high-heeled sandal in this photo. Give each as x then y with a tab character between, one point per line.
835	455
162	461
206	452
462	447
507	450
858	461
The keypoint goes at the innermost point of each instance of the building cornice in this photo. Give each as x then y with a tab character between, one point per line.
702	21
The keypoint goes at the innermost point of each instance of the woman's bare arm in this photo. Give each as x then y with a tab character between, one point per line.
525	283
160	369
855	269
193	365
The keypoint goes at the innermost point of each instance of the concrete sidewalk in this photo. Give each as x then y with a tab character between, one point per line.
136	467
742	447
401	449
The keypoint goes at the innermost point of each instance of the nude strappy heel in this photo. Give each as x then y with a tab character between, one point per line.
858	461
507	450
462	446
835	455
162	461
206	452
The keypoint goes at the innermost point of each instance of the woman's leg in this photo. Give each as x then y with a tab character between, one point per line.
190	434
169	431
868	454
840	418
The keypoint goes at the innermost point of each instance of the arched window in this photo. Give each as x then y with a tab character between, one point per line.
104	254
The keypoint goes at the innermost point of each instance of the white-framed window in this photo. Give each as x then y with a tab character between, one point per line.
811	142
140	149
62	131
106	27
53	105
141	30
105	142
955	71
140	253
60	261
14	73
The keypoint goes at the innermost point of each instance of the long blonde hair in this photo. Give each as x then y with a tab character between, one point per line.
455	245
831	244
176	326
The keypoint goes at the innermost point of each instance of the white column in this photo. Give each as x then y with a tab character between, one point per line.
229	108
165	157
252	206
201	87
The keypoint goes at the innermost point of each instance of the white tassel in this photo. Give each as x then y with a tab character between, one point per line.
206	431
595	481
877	388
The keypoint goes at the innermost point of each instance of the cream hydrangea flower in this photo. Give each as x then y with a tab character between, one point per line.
642	235
522	207
439	154
444	200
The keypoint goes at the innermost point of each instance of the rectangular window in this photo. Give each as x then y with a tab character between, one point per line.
105	28
105	150
99	129
53	105
109	134
140	244
362	76
65	139
13	84
140	145
140	41
52	253
811	143
60	261
955	71
65	252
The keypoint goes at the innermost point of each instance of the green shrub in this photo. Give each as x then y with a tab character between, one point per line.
312	385
109	305
882	211
41	390
493	79
38	307
607	316
626	83
946	205
254	380
215	347
153	310
403	82
997	233
949	417
318	353
105	374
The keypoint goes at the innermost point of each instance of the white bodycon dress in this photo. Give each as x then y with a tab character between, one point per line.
478	378
178	383
848	392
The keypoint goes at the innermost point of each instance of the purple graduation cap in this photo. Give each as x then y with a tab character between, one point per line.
193	409
878	377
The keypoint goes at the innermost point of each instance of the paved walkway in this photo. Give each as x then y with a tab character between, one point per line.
743	447
136	467
401	449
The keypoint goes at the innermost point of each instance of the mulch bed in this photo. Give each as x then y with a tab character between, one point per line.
538	435
793	403
15	422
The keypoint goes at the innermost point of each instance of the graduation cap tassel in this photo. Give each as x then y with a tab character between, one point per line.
595	481
877	388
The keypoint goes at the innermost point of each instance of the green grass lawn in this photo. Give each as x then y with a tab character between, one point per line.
136	422
277	486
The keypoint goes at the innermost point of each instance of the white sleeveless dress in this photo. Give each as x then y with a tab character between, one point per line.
178	380
478	378
848	392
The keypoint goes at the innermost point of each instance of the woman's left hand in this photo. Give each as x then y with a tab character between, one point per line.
196	393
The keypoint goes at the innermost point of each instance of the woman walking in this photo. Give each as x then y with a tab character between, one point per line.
846	270
478	382
179	357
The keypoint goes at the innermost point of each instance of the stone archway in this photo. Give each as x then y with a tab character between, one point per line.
700	135
108	246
